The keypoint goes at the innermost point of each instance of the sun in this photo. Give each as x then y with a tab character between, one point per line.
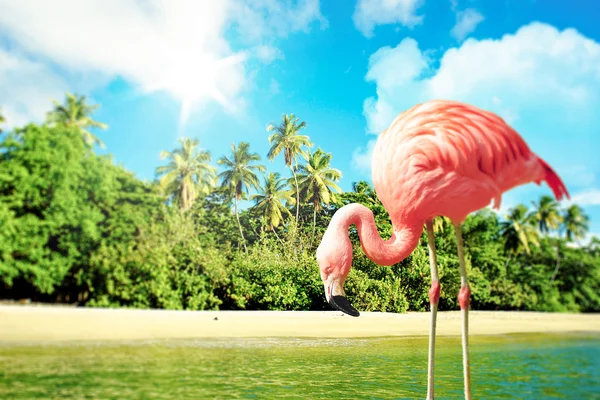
193	77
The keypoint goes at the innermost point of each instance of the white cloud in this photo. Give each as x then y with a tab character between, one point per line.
274	87
257	19
466	22
590	197
267	54
19	96
361	158
370	13
176	46
538	70
545	82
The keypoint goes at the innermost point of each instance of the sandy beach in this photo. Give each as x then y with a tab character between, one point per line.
49	323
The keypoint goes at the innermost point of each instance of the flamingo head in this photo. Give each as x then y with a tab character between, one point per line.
335	260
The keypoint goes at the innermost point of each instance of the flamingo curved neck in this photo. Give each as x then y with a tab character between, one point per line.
383	252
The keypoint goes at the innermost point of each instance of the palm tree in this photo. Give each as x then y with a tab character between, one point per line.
269	201
439	223
317	181
547	217
546	214
188	173
366	193
575	223
287	140
518	231
75	112
239	175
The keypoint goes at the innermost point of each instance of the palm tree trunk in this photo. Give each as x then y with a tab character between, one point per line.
297	193
237	216
506	264
182	197
557	260
314	224
276	235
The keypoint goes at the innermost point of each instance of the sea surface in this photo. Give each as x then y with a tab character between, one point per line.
502	367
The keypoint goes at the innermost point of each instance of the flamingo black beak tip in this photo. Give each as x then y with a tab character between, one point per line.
342	304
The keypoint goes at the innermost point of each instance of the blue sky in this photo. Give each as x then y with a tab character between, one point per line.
345	67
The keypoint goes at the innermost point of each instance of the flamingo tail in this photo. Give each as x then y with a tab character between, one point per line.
554	182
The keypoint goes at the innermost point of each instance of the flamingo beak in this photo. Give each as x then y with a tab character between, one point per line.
336	297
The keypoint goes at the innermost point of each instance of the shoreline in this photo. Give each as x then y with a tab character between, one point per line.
47	324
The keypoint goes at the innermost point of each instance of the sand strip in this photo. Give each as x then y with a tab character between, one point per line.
48	323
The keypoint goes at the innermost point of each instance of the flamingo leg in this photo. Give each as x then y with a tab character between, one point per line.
464	297
434	295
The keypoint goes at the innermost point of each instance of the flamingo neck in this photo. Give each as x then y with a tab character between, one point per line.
404	239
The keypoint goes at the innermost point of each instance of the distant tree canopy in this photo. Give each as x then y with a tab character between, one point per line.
76	228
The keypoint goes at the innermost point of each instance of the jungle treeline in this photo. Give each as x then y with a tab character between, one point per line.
77	228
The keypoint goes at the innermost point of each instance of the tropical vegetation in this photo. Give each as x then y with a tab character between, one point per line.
76	228
188	173
76	112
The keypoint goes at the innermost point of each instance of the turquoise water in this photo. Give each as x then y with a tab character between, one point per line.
503	367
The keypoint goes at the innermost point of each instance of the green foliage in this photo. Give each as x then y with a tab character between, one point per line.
60	204
168	266
76	228
274	276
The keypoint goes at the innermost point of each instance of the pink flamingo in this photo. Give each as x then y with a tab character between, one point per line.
439	158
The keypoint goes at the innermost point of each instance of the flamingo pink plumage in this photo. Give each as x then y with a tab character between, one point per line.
439	158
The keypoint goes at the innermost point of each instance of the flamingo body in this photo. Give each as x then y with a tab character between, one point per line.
449	158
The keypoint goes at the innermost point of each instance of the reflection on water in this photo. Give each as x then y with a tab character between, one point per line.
503	367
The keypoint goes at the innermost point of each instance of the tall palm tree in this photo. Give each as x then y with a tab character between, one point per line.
518	231
547	217
286	139
269	201
317	181
575	223
239	175
76	112
188	172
